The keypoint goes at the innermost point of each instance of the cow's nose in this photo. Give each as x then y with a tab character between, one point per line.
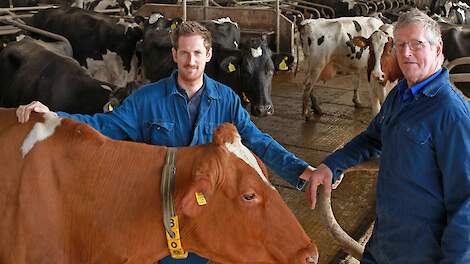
379	76
312	259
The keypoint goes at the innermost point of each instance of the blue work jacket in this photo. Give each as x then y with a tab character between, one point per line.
423	187
158	114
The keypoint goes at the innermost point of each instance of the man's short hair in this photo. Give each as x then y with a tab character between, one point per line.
190	28
415	16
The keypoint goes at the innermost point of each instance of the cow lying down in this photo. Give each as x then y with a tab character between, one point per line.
71	195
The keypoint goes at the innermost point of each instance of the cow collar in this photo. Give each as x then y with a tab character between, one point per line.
170	219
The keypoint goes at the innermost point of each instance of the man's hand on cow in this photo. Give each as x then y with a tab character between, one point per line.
24	111
322	175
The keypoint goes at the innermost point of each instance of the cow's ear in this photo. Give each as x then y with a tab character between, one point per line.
225	133
230	64
197	196
282	61
361	42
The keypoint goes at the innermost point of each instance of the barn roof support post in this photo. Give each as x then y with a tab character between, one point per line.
206	4
278	27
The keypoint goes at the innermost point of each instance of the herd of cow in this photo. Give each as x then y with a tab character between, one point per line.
112	57
101	62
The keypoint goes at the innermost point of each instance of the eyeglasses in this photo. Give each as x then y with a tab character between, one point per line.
414	45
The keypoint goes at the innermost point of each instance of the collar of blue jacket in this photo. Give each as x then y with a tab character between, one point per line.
210	87
408	94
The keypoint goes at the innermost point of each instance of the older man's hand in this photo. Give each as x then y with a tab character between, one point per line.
315	177
24	111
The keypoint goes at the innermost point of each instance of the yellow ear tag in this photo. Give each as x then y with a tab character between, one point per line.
141	25
173	26
283	65
110	108
231	67
201	200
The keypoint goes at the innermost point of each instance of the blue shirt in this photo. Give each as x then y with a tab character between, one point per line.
406	94
193	103
423	186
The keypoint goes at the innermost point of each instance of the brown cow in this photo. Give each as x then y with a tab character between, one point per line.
71	195
384	75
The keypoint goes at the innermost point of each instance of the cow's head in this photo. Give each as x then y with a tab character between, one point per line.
254	68
382	64
262	229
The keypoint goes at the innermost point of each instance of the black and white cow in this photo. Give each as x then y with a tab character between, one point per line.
104	45
329	49
456	45
33	70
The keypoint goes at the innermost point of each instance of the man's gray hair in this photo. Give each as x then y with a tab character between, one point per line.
415	16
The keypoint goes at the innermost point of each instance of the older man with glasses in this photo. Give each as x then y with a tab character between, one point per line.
422	137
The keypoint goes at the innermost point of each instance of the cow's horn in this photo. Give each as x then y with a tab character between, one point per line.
327	217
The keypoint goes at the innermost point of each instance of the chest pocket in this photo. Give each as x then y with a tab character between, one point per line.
209	129
417	136
161	133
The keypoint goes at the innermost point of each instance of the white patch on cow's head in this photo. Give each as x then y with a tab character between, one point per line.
154	18
245	154
224	20
128	5
256	52
235	43
40	132
378	39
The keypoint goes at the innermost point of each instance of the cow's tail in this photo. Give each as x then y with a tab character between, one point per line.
327	217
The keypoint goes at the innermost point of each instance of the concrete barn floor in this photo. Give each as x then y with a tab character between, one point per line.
354	200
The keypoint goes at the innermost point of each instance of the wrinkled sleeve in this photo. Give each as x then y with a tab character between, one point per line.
120	124
453	156
282	162
363	147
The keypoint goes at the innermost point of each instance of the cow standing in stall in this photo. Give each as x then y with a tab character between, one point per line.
90	199
328	48
382	67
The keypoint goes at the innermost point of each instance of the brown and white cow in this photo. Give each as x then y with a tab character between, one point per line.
328	48
71	195
382	76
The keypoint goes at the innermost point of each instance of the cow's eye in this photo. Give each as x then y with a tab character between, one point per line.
249	196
